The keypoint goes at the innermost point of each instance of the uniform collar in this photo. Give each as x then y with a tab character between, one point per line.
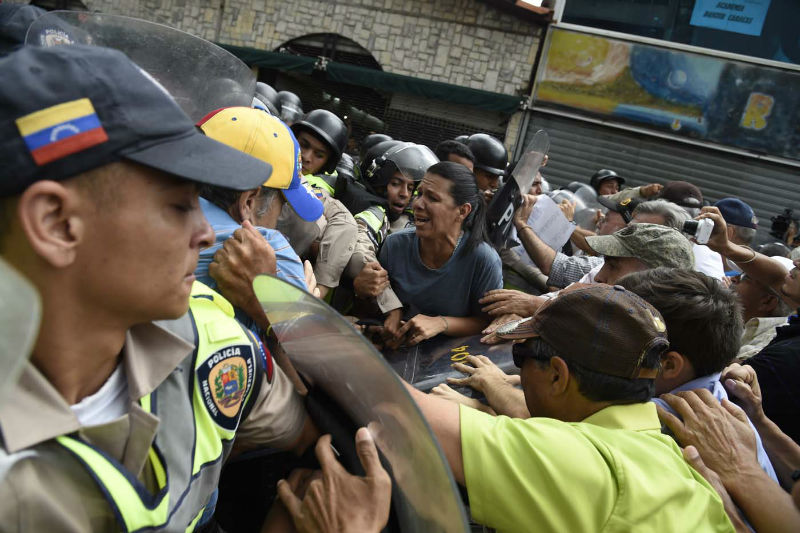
34	411
633	417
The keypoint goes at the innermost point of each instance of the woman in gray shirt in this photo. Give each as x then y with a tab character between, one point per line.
443	266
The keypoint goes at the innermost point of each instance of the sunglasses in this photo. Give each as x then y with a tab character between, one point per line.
520	352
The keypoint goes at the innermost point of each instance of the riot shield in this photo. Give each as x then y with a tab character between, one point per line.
199	75
20	315
335	359
505	201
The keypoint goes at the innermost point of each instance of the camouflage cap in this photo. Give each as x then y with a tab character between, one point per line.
653	244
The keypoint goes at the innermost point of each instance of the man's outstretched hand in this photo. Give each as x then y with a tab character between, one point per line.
339	501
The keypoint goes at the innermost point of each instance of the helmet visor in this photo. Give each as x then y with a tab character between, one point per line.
291	113
413	160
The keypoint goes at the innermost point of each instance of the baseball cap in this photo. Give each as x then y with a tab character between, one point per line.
624	207
68	109
604	328
653	244
257	133
738	213
682	193
15	19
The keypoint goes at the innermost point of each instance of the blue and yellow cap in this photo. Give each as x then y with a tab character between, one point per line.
261	135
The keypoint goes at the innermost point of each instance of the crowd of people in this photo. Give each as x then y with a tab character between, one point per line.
656	363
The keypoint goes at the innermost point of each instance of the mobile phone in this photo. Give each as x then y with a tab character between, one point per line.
699	229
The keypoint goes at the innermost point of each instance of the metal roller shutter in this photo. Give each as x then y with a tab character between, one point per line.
579	148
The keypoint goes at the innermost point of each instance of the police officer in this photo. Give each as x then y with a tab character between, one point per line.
373	152
491	160
289	106
369	141
268	96
130	405
606	181
322	137
393	177
329	242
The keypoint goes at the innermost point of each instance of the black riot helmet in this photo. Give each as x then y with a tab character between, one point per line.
411	160
370	155
602	175
289	106
266	93
490	154
268	97
463	139
328	128
370	141
345	167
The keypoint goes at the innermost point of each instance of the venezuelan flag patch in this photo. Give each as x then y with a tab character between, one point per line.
61	130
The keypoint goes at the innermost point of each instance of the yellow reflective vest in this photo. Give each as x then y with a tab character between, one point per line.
200	406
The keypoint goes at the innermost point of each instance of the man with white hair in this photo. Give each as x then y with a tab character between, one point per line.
763	310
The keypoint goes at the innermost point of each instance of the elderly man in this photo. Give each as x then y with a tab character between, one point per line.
742	223
263	136
587	383
763	310
778	364
633	248
130	405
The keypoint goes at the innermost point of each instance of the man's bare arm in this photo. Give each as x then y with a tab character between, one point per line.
758	266
537	250
444	418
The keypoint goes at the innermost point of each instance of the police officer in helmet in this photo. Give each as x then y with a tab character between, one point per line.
328	242
606	181
491	160
289	106
393	176
322	137
371	140
268	96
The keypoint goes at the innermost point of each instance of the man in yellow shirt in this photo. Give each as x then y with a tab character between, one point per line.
592	458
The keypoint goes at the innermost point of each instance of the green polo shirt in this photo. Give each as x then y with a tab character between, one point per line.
614	471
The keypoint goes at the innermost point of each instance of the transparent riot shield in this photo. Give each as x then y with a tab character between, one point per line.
199	75
337	361
20	315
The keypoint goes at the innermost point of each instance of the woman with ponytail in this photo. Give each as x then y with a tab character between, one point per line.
443	266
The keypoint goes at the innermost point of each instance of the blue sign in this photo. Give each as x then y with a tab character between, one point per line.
739	16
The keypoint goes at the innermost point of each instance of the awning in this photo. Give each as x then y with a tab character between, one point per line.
379	80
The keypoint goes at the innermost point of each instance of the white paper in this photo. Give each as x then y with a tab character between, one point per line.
549	224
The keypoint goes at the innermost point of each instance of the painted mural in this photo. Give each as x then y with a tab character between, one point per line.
749	106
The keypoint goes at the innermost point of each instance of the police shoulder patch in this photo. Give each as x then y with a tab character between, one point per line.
224	379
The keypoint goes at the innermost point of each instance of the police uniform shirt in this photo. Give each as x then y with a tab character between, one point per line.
366	252
37	494
336	231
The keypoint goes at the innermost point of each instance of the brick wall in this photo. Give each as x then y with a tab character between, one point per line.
463	42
